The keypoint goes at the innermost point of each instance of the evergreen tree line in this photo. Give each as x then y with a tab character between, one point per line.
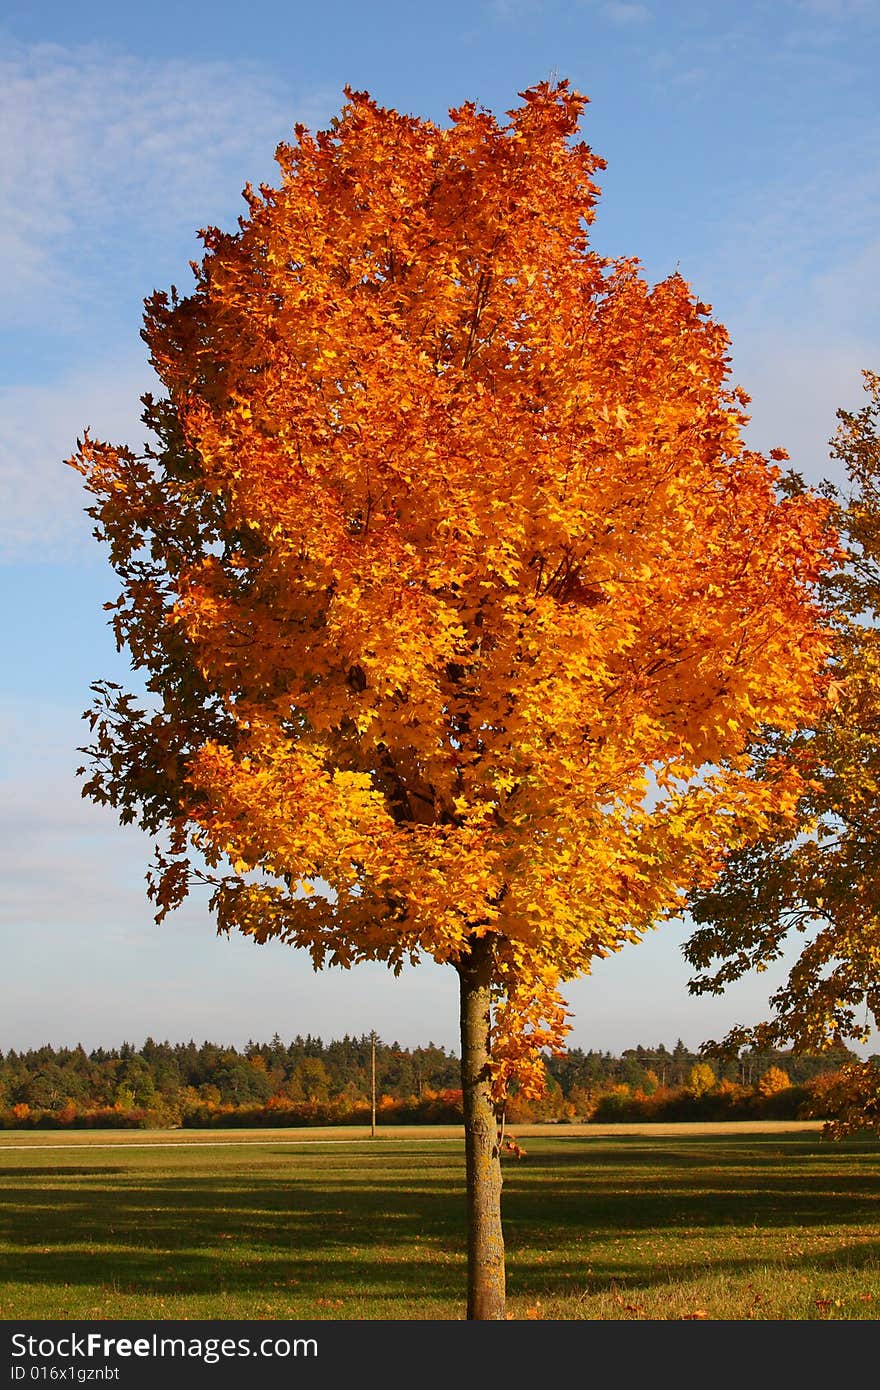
306	1069
646	1068
308	1080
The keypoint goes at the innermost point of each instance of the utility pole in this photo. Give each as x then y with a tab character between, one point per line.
372	1085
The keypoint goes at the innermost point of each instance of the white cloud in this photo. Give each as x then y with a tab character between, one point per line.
64	862
619	12
622	13
795	276
84	959
42	501
110	165
513	11
797	386
802	325
107	157
837	9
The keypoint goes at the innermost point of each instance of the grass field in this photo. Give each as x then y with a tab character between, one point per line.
614	1222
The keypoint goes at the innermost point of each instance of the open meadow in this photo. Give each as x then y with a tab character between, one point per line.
602	1222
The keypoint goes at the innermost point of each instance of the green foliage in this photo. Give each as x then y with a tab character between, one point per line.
823	882
165	1080
308	1082
725	1103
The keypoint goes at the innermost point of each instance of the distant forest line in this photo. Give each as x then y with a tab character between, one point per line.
310	1081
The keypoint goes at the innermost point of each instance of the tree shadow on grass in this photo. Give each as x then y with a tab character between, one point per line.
53	1172
367	1224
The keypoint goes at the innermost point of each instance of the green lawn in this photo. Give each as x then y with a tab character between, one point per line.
654	1224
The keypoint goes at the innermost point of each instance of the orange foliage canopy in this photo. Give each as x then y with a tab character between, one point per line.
454	584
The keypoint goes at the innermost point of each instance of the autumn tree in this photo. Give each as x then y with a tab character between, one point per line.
455	591
773	1081
701	1079
817	880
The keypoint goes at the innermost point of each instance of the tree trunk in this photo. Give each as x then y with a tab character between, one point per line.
486	1287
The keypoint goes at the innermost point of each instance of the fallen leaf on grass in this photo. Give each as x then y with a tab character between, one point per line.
826	1304
627	1307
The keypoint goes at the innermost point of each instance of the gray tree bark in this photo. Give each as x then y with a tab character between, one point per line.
486	1273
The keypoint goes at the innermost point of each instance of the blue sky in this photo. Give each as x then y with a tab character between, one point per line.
743	149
